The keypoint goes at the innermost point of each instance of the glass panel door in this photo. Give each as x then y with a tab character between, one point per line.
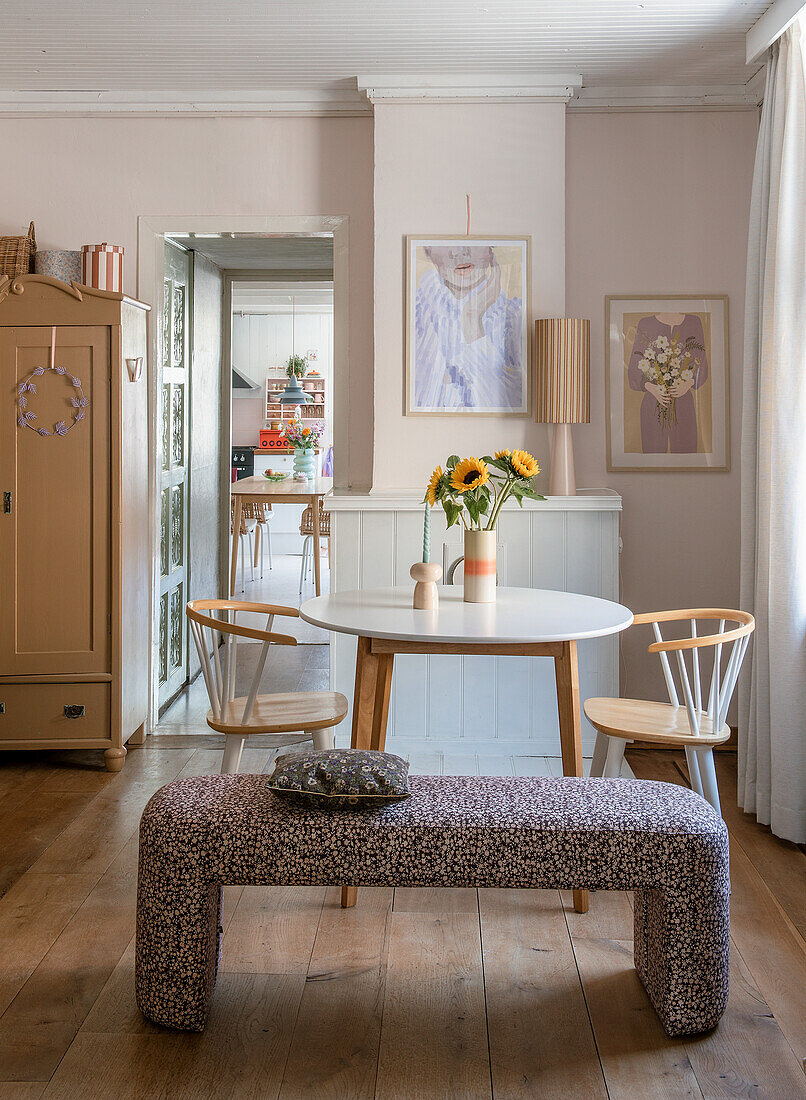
174	357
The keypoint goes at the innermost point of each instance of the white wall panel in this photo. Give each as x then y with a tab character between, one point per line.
462	704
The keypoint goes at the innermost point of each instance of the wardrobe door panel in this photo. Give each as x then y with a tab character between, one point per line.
55	542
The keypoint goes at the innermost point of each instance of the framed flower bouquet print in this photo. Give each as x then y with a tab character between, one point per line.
667	376
467	326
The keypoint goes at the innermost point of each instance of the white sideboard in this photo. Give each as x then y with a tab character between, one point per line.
478	704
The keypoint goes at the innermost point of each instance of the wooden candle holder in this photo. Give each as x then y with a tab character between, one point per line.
426	574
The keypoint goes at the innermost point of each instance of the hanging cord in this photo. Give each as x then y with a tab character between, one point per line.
467	234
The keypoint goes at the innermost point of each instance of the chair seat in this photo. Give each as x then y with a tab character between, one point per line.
643	721
282	713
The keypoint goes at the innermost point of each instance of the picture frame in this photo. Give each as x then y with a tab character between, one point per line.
468	352
667	382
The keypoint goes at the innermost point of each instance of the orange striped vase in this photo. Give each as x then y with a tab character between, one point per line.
480	566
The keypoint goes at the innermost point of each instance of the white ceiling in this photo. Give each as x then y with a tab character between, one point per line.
246	48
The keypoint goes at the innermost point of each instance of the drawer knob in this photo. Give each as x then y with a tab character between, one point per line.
2	708
74	710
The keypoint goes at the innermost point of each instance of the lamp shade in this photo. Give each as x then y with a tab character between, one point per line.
562	370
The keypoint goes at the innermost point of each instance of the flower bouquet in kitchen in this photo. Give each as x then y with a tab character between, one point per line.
669	365
304	438
473	491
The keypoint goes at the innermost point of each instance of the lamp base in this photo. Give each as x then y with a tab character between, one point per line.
562	482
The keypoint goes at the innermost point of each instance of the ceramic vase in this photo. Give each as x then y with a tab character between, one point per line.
480	566
304	462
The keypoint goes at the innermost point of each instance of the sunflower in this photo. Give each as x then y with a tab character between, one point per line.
433	486
470	473
523	464
503	454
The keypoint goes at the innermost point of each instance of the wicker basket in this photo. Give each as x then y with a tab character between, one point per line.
17	253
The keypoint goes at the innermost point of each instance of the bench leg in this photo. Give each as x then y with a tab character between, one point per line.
177	946
373	685
682	953
566	673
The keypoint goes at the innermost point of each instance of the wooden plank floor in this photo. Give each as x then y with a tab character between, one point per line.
413	994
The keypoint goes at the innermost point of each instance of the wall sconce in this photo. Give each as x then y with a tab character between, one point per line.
135	368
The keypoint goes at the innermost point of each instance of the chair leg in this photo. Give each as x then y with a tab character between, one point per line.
258	561
233	747
710	791
302	566
241	552
268	541
251	556
323	739
615	756
599	755
694	770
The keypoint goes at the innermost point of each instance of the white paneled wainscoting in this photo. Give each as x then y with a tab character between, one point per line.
475	706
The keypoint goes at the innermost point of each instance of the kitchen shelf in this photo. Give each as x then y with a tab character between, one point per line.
310	384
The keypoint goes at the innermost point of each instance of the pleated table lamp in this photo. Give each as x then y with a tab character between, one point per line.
562	371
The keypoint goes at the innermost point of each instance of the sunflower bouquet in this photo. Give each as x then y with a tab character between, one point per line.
481	486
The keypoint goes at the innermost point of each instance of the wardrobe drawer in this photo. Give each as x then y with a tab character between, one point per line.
54	712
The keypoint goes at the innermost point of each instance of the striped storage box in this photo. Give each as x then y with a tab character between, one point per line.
103	266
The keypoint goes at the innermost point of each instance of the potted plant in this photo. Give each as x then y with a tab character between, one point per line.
296	366
474	490
293	394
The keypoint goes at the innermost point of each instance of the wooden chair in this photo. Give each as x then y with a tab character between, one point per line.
248	525
262	514
289	717
306	530
688	724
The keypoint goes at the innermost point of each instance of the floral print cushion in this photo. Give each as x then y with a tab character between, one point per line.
341	776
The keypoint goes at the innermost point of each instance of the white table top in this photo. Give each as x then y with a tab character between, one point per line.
519	615
262	487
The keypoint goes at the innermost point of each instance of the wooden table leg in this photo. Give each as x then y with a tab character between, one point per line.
236	528
383	691
316	549
373	681
566	671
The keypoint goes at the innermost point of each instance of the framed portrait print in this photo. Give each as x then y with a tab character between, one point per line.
467	326
667	377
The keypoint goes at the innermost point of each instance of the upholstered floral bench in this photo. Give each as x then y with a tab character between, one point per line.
662	841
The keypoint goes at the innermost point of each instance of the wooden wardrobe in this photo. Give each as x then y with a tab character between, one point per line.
74	562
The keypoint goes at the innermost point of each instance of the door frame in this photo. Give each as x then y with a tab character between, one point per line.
151	233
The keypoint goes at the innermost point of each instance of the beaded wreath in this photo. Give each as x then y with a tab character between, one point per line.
26	416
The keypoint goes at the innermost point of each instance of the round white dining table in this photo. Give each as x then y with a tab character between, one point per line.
522	622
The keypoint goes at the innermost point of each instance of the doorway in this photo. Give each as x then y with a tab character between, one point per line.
209	245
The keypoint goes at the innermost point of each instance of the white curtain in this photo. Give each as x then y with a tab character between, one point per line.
772	716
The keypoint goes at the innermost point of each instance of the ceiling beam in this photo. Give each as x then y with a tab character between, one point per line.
769	28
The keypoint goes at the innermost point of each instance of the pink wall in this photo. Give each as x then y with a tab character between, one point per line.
659	202
614	203
87	179
247	420
511	158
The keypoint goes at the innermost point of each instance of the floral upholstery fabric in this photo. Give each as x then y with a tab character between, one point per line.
662	841
347	777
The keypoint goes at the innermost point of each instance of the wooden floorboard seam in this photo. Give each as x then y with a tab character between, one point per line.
486	1007
585	999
